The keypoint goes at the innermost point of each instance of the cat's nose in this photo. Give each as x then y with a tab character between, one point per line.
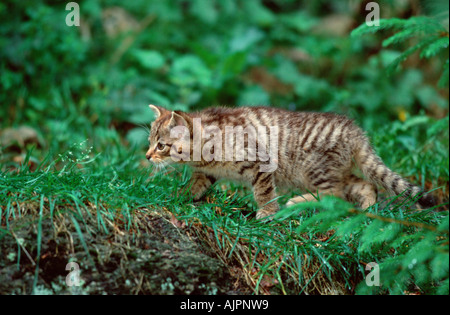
148	156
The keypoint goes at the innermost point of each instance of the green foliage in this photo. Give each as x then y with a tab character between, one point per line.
421	143
411	250
431	37
83	81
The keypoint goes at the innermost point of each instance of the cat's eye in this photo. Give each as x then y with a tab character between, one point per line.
161	146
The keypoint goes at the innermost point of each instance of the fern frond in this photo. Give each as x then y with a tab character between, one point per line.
433	48
431	35
400	59
400	37
425	24
364	29
420	25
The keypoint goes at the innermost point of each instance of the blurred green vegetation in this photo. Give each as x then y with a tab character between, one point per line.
95	81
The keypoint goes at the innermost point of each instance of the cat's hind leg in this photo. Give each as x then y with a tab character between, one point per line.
335	191
302	198
361	192
265	195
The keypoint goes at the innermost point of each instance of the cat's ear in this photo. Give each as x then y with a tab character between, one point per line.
157	110
177	120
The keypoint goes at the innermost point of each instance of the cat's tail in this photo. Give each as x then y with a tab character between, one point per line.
379	174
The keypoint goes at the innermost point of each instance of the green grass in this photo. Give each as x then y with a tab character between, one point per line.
316	248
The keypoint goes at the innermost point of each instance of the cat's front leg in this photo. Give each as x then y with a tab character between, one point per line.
265	195
198	185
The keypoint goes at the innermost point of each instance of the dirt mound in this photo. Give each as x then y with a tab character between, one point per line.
153	257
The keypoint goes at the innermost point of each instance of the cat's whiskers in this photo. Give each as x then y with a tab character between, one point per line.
173	168
147	129
158	169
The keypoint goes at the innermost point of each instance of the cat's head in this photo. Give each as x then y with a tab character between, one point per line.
164	140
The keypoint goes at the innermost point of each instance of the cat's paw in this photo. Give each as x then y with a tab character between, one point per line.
265	215
290	203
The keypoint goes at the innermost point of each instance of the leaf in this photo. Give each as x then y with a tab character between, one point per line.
352	225
245	38
428	96
387	56
421	274
393	66
443	288
204	10
440	266
420	252
157	98
149	59
258	13
190	70
333	209
254	95
399	37
177	223
234	63
268	282
364	29
371	236
299	21
434	47
142	115
19	136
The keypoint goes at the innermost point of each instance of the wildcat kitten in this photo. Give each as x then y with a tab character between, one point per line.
312	152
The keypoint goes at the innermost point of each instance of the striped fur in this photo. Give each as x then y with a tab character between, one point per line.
317	152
